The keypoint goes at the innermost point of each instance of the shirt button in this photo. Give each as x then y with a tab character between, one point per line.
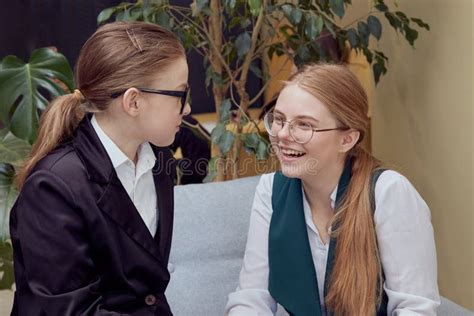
150	299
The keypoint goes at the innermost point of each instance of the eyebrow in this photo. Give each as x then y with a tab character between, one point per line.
299	116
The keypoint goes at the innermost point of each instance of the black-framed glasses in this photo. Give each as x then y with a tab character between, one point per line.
183	95
300	130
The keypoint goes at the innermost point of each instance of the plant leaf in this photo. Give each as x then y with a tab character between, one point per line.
330	27
311	29
250	140
375	27
410	34
296	15
19	89
136	15
256	70
244	23
303	53
13	150
382	7
226	141
352	37
198	6
420	23
379	69
287	9
224	112
254	6
364	32
212	169
403	17
262	150
8	194
243	43
104	15
393	20
337	6
319	23
368	54
217	132
7	278
162	18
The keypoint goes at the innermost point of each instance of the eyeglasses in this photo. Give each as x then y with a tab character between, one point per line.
184	95
300	131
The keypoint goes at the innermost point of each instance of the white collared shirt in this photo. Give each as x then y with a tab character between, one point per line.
137	180
405	239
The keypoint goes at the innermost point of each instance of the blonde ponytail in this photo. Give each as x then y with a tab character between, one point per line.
57	123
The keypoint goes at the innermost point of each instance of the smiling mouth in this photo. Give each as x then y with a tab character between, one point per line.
291	153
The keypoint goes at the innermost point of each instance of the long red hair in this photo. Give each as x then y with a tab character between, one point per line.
355	285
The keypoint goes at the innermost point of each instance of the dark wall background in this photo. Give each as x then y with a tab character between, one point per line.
66	24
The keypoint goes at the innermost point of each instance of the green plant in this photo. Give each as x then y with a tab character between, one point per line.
235	36
25	89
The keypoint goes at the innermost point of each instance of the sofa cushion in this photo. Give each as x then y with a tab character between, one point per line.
209	236
449	308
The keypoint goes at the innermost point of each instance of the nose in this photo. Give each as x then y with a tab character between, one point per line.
284	133
187	109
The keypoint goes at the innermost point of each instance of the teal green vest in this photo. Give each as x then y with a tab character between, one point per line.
292	279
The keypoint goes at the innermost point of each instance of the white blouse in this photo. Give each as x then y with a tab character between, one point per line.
136	179
405	239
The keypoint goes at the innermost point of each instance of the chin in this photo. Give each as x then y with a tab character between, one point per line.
300	169
163	143
291	171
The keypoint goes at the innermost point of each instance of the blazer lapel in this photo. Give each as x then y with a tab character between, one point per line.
112	199
117	204
162	176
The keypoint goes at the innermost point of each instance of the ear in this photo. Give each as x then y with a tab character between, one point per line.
349	139
130	101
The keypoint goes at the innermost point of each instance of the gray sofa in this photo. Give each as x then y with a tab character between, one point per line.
210	232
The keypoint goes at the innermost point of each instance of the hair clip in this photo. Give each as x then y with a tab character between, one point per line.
134	40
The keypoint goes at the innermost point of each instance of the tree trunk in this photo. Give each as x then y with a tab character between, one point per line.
215	31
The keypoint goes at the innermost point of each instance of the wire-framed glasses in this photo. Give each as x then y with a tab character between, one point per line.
300	130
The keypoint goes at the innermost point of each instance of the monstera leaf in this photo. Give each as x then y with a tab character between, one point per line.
26	87
12	152
8	194
6	265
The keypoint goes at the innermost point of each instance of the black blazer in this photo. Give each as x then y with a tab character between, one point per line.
80	245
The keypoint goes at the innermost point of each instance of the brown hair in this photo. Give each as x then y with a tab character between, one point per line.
116	57
355	284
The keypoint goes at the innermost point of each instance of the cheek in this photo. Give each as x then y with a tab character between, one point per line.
166	117
161	126
325	150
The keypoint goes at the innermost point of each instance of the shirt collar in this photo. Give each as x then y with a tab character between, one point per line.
146	157
333	197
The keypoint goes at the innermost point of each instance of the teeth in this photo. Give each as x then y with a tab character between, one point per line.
292	152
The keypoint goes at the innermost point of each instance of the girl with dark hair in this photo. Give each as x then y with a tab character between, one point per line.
333	233
91	228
